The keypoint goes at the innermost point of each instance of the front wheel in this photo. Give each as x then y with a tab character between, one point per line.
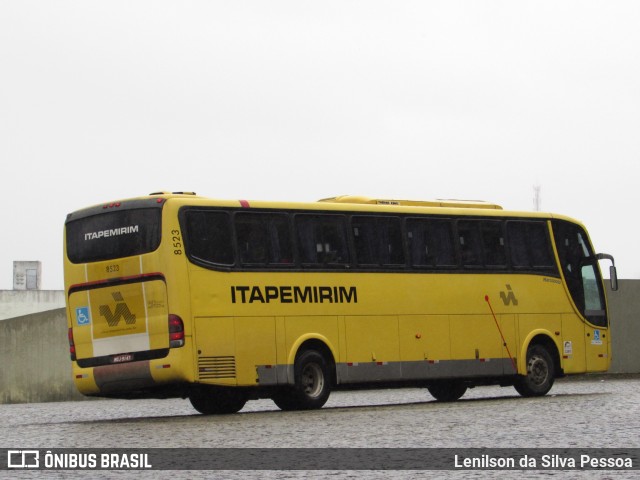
312	384
540	373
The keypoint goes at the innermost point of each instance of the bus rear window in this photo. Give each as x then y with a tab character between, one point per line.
116	234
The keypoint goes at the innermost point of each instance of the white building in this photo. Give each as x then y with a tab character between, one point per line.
26	296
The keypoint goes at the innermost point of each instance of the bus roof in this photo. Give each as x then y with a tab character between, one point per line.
354	203
363	203
413	203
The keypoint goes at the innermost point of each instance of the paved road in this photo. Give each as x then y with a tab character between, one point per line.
579	413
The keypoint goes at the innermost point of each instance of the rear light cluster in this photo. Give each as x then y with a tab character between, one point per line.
176	331
72	345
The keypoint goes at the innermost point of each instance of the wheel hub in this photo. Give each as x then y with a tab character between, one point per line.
312	380
538	370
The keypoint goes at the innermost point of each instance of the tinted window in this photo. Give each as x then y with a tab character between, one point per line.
493	244
580	271
322	239
208	236
482	243
263	239
116	234
377	240
529	245
470	238
430	242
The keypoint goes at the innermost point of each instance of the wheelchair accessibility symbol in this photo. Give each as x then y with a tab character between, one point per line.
83	317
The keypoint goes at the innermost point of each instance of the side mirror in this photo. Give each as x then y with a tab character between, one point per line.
613	275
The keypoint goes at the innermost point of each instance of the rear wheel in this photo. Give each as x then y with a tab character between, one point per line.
216	401
449	391
312	383
540	373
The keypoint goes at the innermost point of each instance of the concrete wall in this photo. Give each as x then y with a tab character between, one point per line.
35	365
15	303
34	359
624	307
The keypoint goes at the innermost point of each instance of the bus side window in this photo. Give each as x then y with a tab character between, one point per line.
208	236
493	242
263	238
529	245
482	243
322	239
378	240
391	248
518	244
417	241
280	235
470	243
441	242
365	240
540	246
252	238
431	242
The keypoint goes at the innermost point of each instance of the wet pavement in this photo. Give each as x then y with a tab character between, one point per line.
584	412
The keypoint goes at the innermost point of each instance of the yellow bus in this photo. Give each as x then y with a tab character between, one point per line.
176	295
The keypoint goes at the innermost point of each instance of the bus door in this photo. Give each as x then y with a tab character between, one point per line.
582	276
596	331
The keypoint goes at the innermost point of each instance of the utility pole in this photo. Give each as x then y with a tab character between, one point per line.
537	199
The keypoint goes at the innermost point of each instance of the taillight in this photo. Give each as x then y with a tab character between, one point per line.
176	331
72	346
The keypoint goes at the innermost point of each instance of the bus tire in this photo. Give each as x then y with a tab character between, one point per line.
312	383
447	391
540	373
217	401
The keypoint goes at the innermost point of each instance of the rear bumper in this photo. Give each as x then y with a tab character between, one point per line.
132	379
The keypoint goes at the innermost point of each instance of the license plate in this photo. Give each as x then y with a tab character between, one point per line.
125	357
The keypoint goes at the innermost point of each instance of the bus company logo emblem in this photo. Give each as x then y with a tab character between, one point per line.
83	316
508	297
121	311
23	459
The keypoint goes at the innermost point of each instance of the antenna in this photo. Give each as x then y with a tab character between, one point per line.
537	199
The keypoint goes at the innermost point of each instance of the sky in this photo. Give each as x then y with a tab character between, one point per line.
302	100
